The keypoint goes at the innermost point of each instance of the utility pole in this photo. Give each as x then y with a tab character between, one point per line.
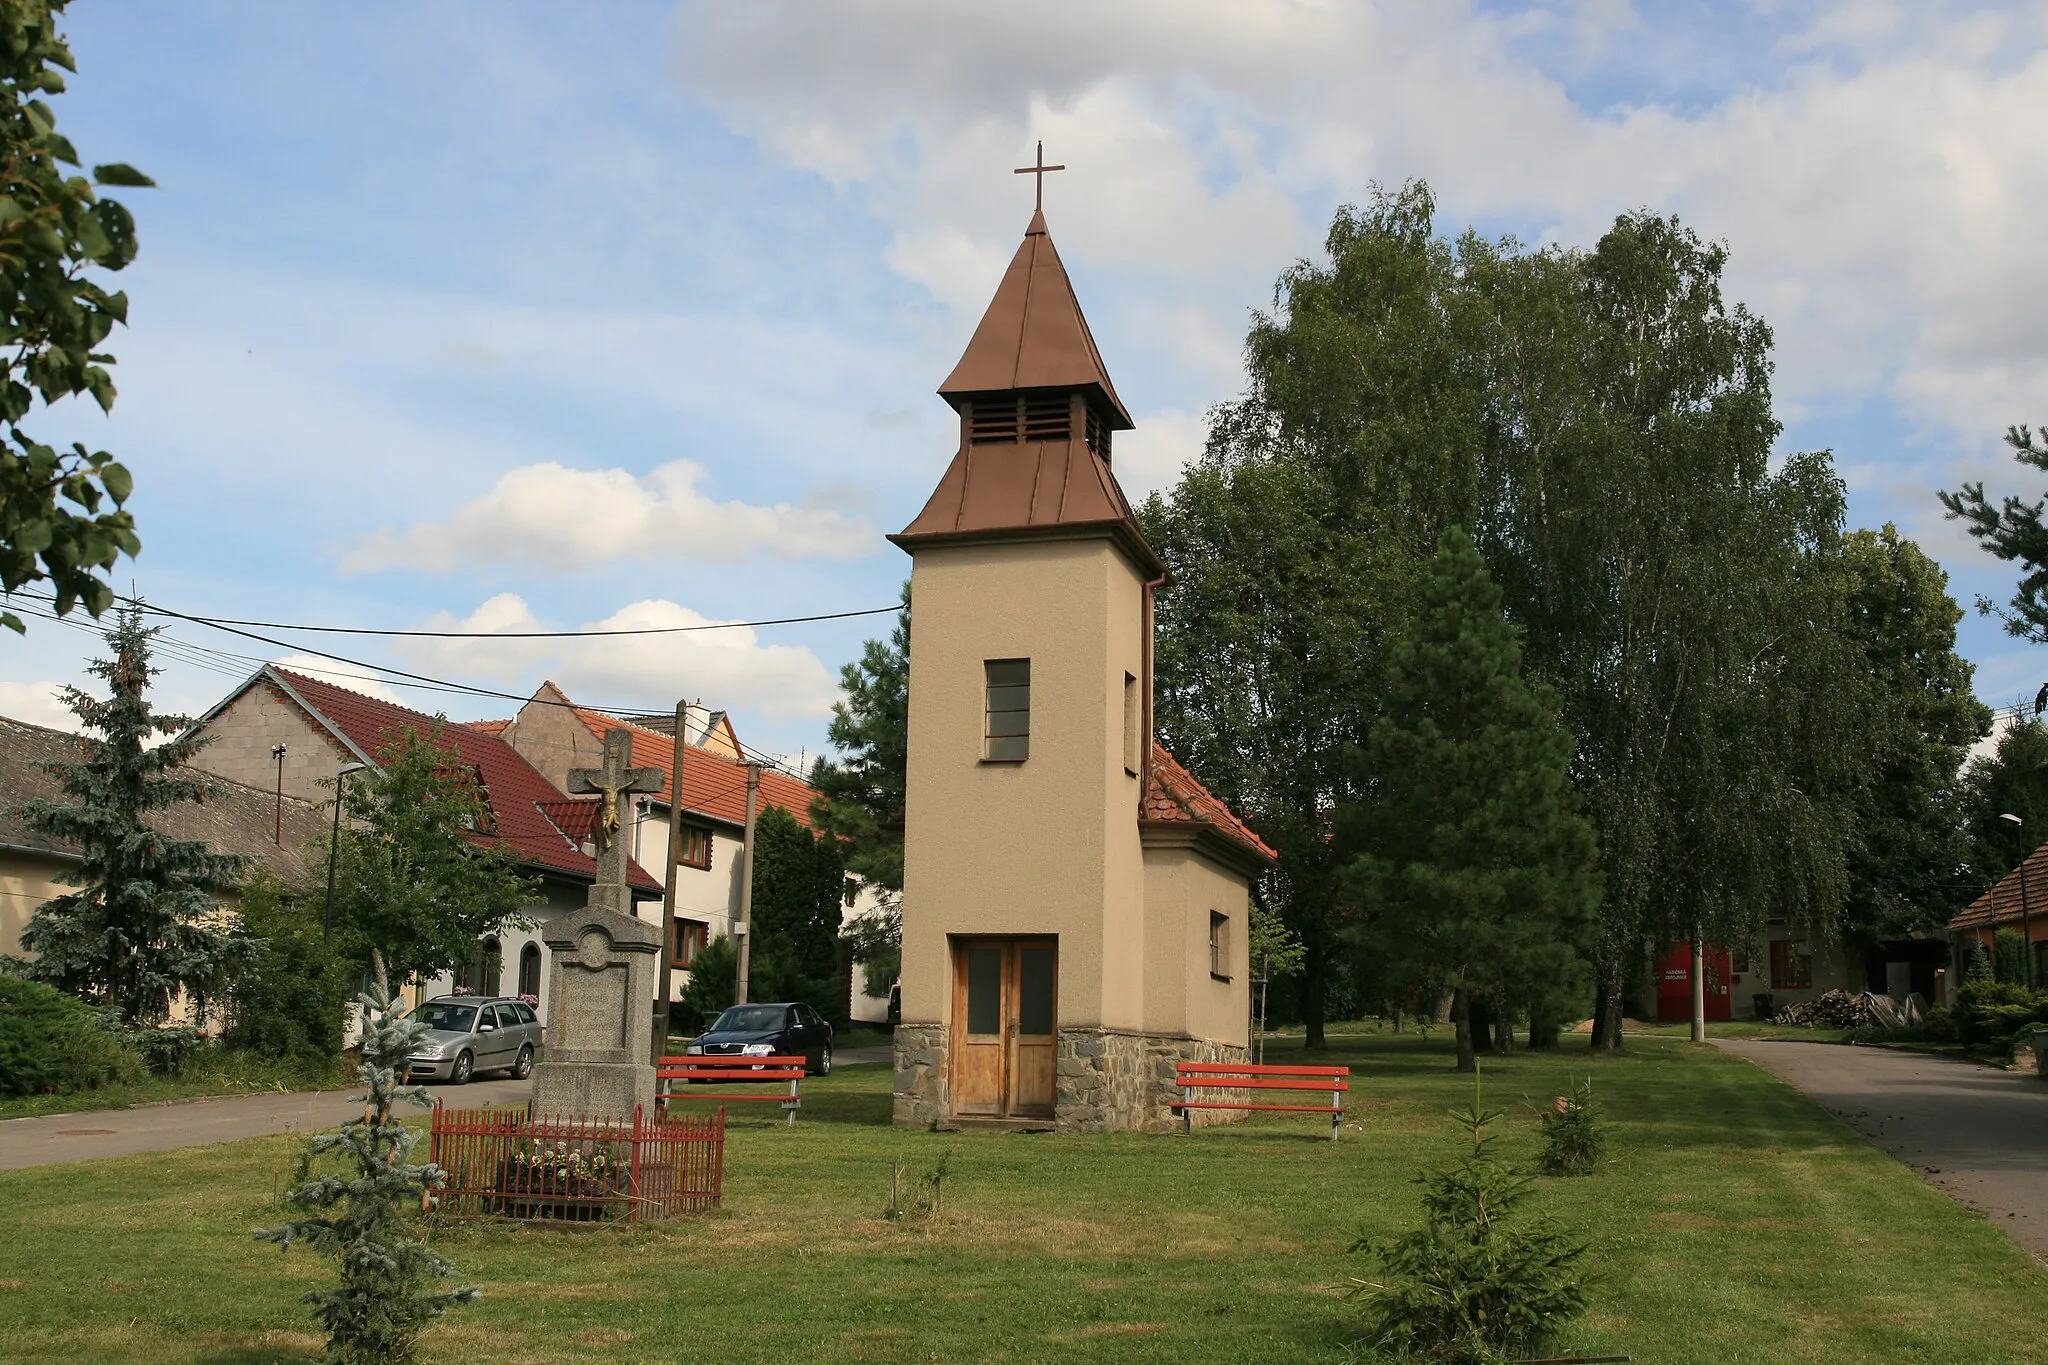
746	953
663	1001
277	752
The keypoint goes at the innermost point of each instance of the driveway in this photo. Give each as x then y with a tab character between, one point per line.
191	1123
1976	1133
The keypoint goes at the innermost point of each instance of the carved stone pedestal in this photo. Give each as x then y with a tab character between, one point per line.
602	966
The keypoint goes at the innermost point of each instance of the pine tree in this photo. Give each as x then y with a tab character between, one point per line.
860	800
798	889
384	1301
1474	866
136	932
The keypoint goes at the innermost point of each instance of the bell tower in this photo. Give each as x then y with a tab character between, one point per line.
1024	921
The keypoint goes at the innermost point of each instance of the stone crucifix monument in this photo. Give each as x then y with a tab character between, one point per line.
602	964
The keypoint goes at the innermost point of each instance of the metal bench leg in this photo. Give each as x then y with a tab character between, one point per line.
1336	1116
1187	1115
793	1103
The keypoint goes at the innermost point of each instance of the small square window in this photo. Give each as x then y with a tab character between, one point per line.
696	847
1007	728
690	937
1219	946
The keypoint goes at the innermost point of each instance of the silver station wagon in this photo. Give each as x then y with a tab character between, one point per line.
473	1033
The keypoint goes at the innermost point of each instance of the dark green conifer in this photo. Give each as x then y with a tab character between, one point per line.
1475	868
137	930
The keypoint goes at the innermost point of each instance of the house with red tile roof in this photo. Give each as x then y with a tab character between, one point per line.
555	735
320	726
2019	902
1076	904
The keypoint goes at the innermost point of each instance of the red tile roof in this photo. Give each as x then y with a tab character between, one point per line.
489	727
517	793
1173	796
713	784
2001	904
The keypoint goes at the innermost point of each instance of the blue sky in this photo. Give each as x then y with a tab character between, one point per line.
520	314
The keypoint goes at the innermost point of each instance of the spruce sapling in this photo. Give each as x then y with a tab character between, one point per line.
383	1304
1473	1285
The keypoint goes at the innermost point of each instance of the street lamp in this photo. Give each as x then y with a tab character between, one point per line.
2026	918
334	847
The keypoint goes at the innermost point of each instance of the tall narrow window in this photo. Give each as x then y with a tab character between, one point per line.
1219	946
1008	728
1131	723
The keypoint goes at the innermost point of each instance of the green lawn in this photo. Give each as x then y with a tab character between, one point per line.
212	1073
1736	1223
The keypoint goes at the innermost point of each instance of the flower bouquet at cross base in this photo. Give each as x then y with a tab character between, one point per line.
558	1180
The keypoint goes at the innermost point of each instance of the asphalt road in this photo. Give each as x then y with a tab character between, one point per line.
194	1123
1976	1133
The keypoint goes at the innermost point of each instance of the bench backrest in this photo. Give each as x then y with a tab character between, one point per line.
1224	1075
738	1069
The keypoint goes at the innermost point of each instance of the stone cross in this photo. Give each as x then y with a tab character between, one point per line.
613	783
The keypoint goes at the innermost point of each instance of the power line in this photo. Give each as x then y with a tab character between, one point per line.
224	621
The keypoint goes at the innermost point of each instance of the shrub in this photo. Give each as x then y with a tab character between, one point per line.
1940	1025
2009	957
1573	1136
51	1043
1988	1013
289	998
1474	1285
714	978
167	1050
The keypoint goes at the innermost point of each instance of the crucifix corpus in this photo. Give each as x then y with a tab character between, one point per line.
1041	170
613	783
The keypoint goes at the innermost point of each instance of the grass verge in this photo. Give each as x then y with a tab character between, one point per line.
1736	1223
213	1072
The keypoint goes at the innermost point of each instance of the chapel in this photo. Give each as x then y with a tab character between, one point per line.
1075	903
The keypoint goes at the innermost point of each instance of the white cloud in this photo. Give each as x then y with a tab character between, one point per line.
555	517
1873	176
37	703
1151	457
730	668
354	677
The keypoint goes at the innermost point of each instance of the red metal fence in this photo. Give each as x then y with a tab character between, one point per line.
504	1163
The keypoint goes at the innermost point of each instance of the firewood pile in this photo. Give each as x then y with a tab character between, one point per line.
1840	1009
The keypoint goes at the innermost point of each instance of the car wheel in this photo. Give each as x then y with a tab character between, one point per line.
463	1066
823	1066
523	1068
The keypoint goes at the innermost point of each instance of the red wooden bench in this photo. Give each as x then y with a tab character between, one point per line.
730	1071
1194	1077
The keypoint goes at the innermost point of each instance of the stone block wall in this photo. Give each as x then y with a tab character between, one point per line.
1110	1081
1105	1080
920	1088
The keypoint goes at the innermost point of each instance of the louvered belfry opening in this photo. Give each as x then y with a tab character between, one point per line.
1035	416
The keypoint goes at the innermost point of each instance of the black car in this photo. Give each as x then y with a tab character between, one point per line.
784	1030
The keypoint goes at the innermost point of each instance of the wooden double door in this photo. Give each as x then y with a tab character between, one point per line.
1005	1026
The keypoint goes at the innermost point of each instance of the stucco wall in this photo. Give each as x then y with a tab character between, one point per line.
26	881
553	739
1049	845
1182	889
242	736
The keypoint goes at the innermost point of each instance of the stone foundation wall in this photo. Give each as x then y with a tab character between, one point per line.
920	1087
1105	1080
1109	1081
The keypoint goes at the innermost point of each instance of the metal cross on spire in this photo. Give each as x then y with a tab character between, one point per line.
1041	170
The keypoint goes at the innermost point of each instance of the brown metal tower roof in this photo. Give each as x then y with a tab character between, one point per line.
1033	335
1033	380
